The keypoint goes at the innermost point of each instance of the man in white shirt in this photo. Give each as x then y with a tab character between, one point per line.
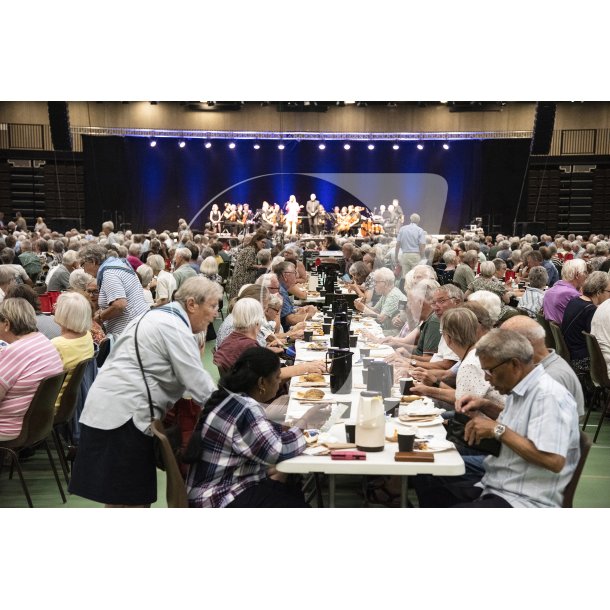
600	329
411	241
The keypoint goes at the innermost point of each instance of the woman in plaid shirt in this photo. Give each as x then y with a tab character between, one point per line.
234	444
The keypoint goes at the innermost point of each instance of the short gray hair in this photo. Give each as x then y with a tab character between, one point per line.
20	316
209	266
572	268
183	253
461	325
145	273
247	313
73	312
596	283
502	344
487	269
79	279
424	289
384	275
6	275
92	253
359	268
414	218
538	277
198	288
69	257
156	262
450	257
490	301
452	291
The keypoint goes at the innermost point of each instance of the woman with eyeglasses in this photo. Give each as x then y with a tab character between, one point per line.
85	284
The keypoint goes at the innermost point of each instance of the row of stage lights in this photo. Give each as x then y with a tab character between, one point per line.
282	146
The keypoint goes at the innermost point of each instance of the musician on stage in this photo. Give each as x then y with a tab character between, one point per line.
267	217
292	215
215	218
354	218
246	217
228	218
313	210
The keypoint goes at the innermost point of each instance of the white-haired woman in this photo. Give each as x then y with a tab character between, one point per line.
492	303
487	280
145	273
75	344
388	305
163	282
209	269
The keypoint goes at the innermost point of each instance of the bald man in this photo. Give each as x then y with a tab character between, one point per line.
553	364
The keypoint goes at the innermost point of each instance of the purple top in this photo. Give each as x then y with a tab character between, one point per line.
556	299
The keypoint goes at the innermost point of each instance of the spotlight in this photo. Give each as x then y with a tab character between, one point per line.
322	146
446	146
182	144
153	143
208	144
420	147
232	145
257	146
281	146
371	147
346	146
395	147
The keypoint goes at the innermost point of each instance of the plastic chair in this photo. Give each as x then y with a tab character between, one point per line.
568	494
37	426
175	492
64	413
549	339
598	371
560	343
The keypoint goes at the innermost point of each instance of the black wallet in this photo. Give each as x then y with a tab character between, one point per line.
455	434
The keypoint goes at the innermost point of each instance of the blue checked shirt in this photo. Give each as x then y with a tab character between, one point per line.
239	444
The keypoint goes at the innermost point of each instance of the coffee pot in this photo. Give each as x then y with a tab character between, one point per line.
380	378
339	305
339	365
329	281
340	333
370	422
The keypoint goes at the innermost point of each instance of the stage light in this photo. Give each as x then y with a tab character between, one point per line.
232	145
395	147
420	146
322	146
446	146
208	144
281	146
257	146
153	143
346	146
182	144
371	147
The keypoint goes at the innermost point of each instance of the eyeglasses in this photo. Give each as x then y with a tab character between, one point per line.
290	272
92	292
440	301
493	368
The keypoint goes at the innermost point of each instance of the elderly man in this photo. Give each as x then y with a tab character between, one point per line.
464	272
388	305
291	315
182	266
108	231
313	211
573	276
553	363
600	329
411	240
538	430
535	259
58	278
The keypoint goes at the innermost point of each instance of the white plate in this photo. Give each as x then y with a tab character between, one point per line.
438	444
435	422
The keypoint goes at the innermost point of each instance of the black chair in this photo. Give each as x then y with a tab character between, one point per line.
599	376
36	428
560	343
570	490
549	339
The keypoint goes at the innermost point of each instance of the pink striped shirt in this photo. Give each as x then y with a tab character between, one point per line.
23	365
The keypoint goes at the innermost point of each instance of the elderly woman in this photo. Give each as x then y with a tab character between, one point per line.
363	283
146	274
58	278
491	302
45	324
209	269
235	444
121	298
28	358
387	306
577	318
263	258
115	464
486	280
163	281
445	276
531	300
73	314
245	269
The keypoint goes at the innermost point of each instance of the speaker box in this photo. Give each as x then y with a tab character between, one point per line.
60	125
544	122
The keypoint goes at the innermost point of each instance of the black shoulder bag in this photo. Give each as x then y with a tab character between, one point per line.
173	432
455	434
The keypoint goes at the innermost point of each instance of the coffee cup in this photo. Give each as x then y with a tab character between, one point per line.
365	352
350	432
326	329
406	383
366	362
353	340
308	335
406	438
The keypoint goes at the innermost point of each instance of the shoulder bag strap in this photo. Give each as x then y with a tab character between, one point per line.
150	403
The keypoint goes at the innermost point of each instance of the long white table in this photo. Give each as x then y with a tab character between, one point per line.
446	463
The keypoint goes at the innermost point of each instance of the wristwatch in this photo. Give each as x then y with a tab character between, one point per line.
499	430
436	384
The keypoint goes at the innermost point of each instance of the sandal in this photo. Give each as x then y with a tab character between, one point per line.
381	496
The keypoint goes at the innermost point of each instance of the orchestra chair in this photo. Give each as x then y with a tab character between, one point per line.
65	413
175	491
37	427
560	343
599	377
570	490
549	339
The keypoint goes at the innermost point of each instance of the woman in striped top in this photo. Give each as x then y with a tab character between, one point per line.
24	363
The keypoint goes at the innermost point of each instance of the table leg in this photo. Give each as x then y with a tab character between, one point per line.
331	491
404	488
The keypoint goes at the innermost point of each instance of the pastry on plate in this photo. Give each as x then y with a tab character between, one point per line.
313	377
410	398
312	394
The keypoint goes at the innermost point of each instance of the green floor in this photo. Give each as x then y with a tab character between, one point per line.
593	489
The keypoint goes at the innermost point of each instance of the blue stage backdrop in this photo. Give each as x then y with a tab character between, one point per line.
142	187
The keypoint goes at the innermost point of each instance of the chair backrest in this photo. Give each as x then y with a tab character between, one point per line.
549	339
223	270
67	403
103	351
597	365
175	492
568	494
560	343
38	419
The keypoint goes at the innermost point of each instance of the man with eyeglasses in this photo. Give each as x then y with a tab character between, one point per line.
290	315
538	431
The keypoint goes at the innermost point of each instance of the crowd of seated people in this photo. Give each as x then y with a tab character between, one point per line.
438	317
